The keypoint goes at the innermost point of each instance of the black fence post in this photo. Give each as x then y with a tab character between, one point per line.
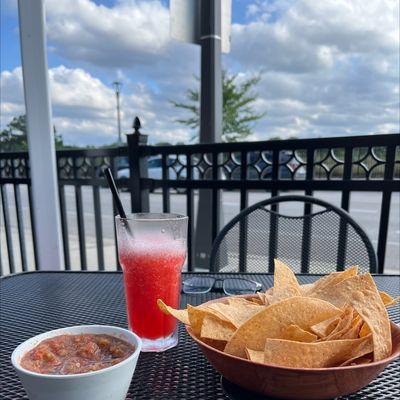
137	169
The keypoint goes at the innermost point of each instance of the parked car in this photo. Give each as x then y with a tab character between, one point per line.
259	167
122	163
288	165
154	168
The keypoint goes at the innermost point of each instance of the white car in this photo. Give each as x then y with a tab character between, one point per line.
179	170
154	170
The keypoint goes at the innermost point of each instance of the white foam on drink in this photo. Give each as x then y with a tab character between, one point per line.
153	244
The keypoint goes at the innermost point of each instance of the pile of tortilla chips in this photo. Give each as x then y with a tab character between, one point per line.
339	320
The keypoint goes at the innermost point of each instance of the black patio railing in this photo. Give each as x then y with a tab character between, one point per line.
341	164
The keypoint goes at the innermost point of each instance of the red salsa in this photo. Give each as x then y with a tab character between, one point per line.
76	354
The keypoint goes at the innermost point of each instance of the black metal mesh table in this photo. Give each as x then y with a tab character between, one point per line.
32	303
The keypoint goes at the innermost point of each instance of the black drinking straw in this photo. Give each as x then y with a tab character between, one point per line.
117	200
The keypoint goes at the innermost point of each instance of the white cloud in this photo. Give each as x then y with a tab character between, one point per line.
131	38
268	10
130	42
336	60
130	32
309	35
75	91
269	47
351	26
84	108
329	67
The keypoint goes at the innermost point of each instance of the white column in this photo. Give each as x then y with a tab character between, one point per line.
40	134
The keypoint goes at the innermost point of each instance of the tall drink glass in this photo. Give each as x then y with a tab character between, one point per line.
152	249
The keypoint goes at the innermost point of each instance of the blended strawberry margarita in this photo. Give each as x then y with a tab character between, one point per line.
151	251
152	270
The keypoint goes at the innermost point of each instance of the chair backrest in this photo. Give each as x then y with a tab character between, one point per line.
322	238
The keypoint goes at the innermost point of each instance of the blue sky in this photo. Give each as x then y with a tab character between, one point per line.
328	68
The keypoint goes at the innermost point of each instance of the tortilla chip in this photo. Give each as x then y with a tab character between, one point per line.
340	319
270	291
257	300
284	278
254	355
268	299
180	315
212	311
285	284
314	355
284	293
305	288
237	312
217	344
214	328
295	333
354	331
388	300
240	301
197	315
274	319
324	328
331	280
361	292
262	298
358	360
356	319
345	323
233	301
364	331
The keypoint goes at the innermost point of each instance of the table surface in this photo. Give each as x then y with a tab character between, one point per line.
32	303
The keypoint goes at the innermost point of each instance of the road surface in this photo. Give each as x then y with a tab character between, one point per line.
364	207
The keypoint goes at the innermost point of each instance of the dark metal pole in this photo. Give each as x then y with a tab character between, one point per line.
211	73
210	118
117	87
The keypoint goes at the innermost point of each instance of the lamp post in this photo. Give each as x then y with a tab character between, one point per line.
117	88
206	23
210	120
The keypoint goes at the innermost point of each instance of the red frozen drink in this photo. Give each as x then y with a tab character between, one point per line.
151	261
151	272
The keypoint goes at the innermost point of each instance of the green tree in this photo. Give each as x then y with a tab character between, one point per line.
14	137
239	117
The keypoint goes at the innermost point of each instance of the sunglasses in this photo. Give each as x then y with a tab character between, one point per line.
230	286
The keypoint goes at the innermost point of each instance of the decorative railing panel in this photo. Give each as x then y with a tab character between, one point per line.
343	164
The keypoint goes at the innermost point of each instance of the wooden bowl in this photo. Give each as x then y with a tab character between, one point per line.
296	383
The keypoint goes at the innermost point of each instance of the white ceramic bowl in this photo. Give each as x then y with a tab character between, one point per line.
110	383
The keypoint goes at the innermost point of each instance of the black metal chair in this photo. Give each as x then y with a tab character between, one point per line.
322	239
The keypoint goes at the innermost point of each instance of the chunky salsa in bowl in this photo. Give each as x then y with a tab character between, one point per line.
76	354
80	363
